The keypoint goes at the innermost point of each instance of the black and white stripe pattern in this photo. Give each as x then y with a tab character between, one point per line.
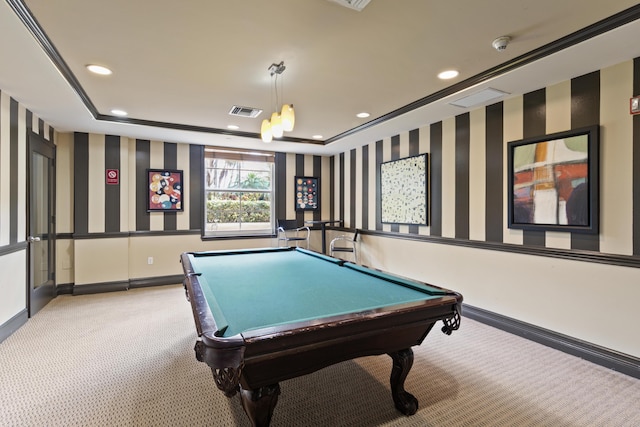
93	154
16	122
467	158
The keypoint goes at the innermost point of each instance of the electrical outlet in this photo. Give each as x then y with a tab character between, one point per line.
150	260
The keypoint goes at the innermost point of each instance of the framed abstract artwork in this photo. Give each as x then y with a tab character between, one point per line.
307	190
404	195
553	182
164	190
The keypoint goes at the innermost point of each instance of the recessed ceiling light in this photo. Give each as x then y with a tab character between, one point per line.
448	74
363	115
317	137
120	113
233	127
99	69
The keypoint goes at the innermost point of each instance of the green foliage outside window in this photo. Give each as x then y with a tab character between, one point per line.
238	196
242	207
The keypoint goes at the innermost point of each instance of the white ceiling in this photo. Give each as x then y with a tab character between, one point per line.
185	64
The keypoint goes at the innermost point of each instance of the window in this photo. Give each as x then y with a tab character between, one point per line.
239	193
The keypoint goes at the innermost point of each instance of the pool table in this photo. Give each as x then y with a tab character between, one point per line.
267	315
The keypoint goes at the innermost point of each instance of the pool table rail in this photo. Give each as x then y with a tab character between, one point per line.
340	338
225	356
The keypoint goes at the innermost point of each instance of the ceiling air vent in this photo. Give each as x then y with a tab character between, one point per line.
352	4
245	111
482	97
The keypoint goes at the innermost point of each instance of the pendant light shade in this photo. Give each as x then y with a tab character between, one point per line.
288	117
276	125
265	131
283	119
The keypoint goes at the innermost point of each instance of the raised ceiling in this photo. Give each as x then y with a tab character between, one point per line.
179	67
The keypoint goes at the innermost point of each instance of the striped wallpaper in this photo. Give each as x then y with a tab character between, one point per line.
15	123
468	165
103	210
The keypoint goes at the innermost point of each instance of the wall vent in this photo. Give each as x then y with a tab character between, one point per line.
245	111
352	4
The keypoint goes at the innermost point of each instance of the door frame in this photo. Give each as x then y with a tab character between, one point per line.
38	298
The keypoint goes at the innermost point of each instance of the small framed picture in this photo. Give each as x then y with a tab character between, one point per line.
307	193
164	190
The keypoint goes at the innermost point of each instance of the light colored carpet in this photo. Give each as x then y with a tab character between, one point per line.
126	359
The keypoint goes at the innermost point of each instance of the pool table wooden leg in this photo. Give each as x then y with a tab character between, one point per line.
405	402
259	403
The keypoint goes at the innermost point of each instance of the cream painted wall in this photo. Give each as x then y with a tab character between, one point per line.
14	296
125	176
371	177
101	260
156	159
5	168
64	182
64	207
22	173
593	302
131	183
616	159
325	189
558	117
425	147
448	178
96	183
512	131
166	251
64	261
290	210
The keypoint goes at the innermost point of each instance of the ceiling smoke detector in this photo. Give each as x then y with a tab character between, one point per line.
352	4
501	43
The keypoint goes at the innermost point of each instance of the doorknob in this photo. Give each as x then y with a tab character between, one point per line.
32	239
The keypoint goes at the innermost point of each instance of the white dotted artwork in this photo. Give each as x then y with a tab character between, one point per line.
404	190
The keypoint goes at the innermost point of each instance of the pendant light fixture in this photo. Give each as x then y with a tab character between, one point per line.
283	119
288	117
265	131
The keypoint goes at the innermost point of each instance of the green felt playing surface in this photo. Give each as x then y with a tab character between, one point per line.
248	289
